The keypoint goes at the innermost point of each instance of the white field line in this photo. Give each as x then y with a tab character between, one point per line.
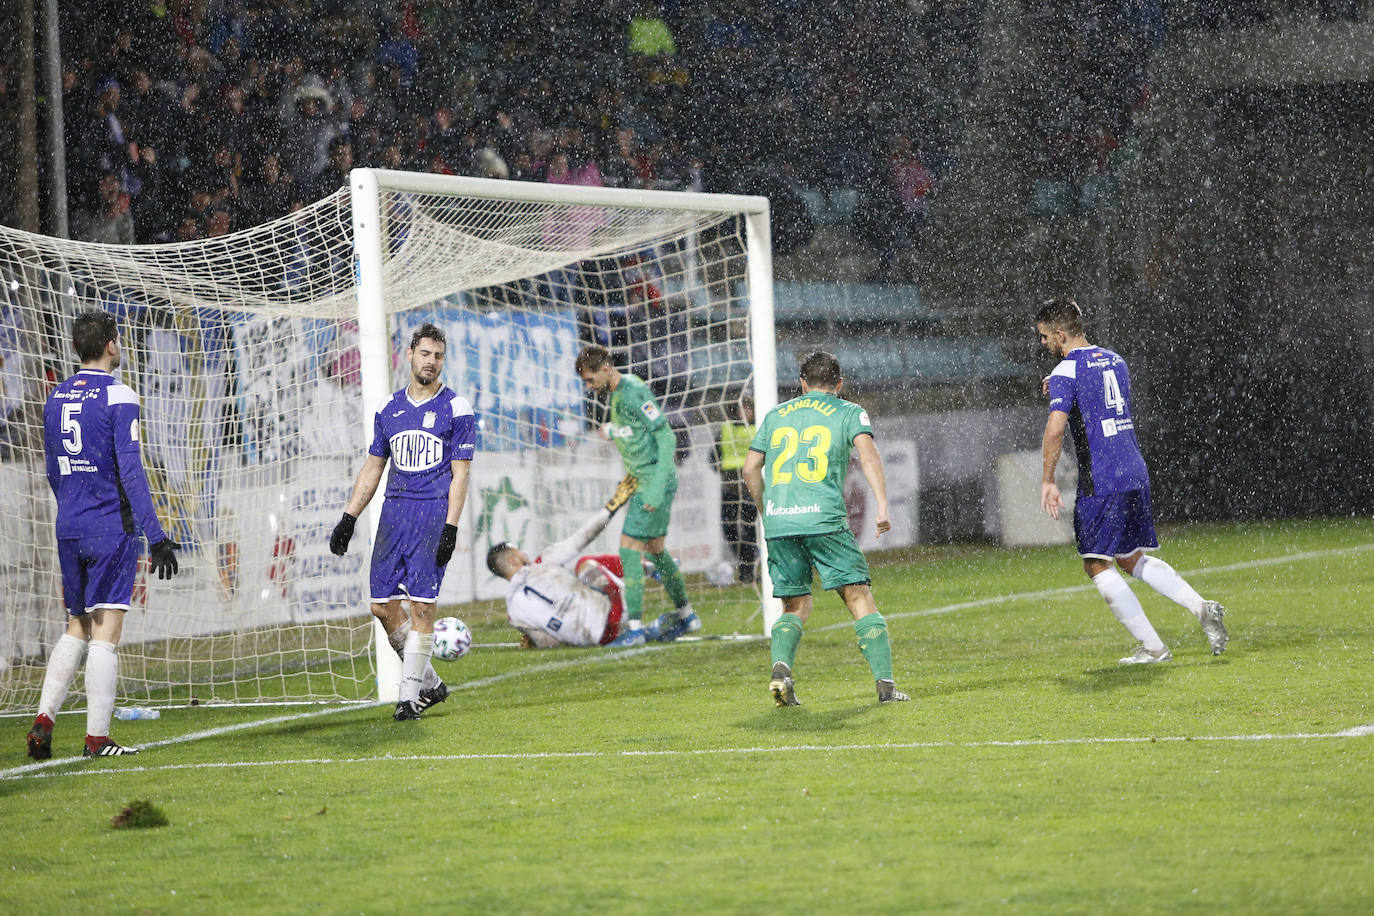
1360	731
589	659
600	658
1088	586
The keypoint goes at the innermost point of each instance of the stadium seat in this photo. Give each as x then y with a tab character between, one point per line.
1097	193
850	303
1051	198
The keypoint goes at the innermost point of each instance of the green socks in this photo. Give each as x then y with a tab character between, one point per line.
873	643
669	575
632	564
787	633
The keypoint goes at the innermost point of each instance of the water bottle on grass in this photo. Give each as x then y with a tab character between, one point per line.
129	713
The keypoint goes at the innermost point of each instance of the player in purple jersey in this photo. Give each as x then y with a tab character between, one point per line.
1090	393
427	433
95	468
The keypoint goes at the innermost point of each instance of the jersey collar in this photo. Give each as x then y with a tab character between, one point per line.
415	403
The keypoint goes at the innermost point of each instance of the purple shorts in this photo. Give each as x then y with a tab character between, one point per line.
1114	525
98	572
403	556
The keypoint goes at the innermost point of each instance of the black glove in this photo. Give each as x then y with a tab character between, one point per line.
161	558
447	541
343	533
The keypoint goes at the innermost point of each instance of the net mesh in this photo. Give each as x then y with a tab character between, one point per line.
244	352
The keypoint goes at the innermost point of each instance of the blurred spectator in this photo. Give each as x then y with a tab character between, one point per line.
738	513
309	129
151	207
106	219
649	36
105	144
218	222
267	196
335	175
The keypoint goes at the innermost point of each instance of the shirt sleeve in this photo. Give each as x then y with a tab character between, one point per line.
652	491
1063	386
652	418
859	423
381	445
567	549
124	416
760	441
464	443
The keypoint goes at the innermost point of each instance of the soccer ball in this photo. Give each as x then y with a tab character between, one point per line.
452	638
722	574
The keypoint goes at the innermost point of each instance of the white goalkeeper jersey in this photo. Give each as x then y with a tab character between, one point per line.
550	604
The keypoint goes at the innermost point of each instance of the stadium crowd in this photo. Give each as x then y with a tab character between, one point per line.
216	115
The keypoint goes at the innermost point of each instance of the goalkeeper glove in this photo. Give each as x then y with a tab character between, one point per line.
622	493
161	558
447	541
342	534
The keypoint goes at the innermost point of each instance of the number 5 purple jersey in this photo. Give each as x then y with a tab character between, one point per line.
95	468
1093	386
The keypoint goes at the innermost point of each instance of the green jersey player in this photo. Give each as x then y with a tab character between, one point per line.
795	472
646	444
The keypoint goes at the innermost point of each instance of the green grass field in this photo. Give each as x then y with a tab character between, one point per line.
1031	770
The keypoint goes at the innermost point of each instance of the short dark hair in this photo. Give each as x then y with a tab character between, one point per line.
820	368
427	330
1061	312
592	358
91	332
495	554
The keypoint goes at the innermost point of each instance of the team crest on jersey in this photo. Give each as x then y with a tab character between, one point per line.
650	410
428	421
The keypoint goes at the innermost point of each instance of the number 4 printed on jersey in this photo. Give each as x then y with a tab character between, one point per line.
1111	390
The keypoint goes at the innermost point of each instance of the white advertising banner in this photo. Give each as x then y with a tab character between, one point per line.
903	487
1024	522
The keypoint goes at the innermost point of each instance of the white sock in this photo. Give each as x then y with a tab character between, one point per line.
419	648
1164	579
431	677
57	677
397	638
102	671
1126	608
685	611
398	642
635	624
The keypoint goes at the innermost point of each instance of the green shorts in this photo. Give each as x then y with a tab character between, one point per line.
836	556
643	525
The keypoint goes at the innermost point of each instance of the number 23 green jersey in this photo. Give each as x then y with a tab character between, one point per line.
805	445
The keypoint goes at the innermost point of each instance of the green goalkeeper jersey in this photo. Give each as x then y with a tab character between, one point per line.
805	445
645	440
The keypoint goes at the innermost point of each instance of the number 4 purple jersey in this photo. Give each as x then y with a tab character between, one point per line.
1093	387
421	438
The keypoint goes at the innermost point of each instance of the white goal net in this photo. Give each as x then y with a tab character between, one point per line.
257	357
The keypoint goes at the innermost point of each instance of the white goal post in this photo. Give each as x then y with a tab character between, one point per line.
260	356
645	215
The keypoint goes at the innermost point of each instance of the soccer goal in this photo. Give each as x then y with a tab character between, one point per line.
260	356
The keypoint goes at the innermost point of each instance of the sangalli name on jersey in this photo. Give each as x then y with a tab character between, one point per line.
416	450
822	406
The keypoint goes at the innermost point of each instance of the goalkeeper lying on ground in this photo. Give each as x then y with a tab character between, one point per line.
561	598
